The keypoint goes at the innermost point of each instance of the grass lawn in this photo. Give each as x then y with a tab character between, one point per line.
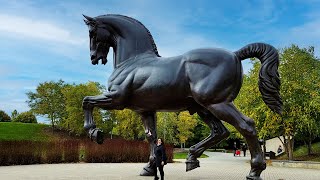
301	153
22	131
183	155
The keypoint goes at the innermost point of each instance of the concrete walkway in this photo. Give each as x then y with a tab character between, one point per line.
219	166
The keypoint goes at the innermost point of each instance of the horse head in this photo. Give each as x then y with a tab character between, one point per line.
100	40
128	37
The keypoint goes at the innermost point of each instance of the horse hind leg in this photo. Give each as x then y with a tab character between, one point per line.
218	133
229	113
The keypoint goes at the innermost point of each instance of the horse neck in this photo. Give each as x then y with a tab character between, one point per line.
131	47
131	39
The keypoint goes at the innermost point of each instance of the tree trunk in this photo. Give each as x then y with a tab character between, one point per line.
309	146
264	149
290	143
52	123
285	145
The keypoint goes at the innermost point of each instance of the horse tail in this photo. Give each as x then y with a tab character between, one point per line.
269	81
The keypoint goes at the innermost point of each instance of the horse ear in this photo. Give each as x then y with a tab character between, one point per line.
89	20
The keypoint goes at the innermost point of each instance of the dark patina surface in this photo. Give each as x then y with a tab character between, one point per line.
203	81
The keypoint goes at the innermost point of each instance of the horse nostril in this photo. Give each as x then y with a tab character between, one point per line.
93	57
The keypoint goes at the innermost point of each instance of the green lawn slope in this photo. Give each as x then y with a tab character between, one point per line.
10	131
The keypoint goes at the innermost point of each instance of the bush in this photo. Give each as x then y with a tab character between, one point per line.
19	153
112	151
54	152
4	117
71	151
169	152
119	150
116	151
26	117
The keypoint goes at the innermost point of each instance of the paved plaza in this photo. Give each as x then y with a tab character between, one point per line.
219	166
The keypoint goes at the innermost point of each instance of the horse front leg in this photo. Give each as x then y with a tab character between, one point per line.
149	122
104	101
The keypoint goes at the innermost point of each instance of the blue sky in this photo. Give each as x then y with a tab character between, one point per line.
45	40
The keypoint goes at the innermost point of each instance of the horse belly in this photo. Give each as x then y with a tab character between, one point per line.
161	104
165	94
161	86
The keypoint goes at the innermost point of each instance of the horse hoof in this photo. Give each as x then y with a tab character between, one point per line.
87	127
147	171
96	135
192	164
254	178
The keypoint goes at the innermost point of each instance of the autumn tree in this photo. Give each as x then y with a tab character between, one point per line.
128	124
74	95
185	125
299	71
167	127
48	101
301	92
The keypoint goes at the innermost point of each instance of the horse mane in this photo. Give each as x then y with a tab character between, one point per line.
154	46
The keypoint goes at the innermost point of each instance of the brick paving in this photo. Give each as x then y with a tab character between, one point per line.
219	166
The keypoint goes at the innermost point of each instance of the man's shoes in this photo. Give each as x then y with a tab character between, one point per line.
156	178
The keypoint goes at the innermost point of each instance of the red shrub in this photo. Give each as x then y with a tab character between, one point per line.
53	152
71	150
19	153
111	151
169	152
117	151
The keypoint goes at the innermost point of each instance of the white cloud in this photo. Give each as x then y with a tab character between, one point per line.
19	104
310	31
37	29
307	34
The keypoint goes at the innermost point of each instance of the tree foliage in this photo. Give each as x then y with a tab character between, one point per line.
185	125
14	115
26	117
128	124
301	93
300	77
48	101
4	117
167	127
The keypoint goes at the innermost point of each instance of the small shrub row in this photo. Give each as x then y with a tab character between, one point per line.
37	152
116	151
119	150
111	151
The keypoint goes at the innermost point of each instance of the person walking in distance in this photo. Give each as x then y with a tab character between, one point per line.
234	148
244	149
161	158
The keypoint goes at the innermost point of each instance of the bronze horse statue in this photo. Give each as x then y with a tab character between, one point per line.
203	81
